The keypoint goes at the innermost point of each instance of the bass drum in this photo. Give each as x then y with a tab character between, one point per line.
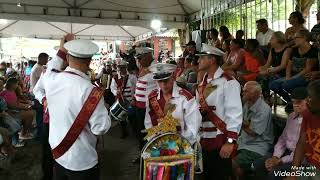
119	110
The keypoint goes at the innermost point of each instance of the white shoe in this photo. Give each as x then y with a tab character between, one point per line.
19	144
26	137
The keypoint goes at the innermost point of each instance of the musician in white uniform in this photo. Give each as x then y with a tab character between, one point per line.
123	86
104	78
169	98
121	77
221	108
145	84
66	93
106	67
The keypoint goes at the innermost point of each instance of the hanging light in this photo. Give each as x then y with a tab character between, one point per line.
19	4
3	21
156	24
118	42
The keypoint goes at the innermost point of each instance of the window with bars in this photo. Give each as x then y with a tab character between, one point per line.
242	14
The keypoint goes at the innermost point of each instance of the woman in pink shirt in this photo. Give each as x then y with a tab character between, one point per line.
17	109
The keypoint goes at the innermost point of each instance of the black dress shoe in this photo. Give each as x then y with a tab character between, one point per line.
124	134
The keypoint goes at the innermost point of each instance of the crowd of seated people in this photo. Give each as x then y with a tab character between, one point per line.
17	115
282	63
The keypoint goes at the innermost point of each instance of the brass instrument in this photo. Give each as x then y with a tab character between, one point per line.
92	74
105	80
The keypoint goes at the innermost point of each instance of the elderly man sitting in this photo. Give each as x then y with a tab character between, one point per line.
256	134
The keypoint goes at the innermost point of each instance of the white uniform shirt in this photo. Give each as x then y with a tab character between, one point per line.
186	111
36	72
144	86
66	94
264	38
128	91
226	98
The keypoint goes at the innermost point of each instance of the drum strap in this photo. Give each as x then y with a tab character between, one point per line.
79	123
221	125
121	85
155	107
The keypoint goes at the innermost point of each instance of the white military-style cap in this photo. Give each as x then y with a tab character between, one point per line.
210	50
81	48
122	62
143	50
162	71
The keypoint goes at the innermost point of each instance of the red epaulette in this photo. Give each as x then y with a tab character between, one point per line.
186	94
154	93
56	71
227	76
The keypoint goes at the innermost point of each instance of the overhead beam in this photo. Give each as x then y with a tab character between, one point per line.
84	3
66	2
57	27
9	25
89	20
84	29
91	9
58	37
182	7
126	31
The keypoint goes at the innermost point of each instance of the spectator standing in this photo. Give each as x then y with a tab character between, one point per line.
38	69
263	36
264	33
297	21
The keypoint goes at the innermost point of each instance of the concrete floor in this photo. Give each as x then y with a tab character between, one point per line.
115	160
115	157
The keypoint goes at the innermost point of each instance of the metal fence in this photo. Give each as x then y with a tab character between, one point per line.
242	14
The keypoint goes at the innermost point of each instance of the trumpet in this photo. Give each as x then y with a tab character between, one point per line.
105	80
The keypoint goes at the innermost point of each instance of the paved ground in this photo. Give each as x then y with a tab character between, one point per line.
115	160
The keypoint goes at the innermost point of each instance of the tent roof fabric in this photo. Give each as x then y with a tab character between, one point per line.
91	19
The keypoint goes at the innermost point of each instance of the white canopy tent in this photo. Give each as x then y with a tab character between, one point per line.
91	19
